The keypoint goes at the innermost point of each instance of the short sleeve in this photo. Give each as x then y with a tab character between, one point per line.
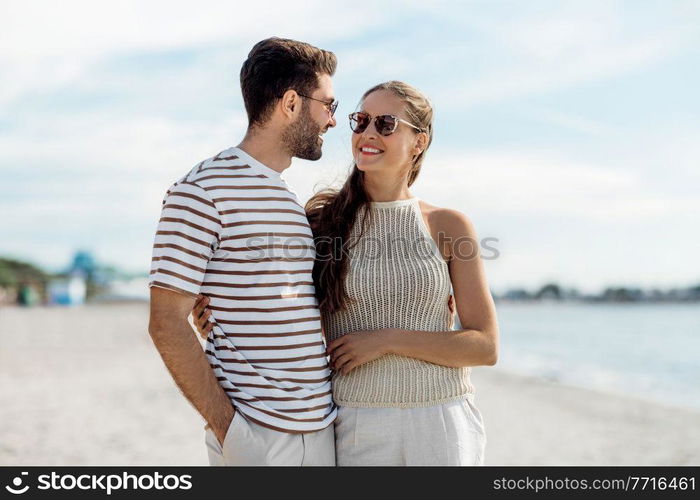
188	234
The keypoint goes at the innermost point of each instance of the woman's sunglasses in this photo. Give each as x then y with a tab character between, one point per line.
385	124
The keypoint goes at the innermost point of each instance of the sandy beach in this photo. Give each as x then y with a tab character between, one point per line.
85	386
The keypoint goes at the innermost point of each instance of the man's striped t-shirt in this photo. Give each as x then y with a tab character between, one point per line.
232	230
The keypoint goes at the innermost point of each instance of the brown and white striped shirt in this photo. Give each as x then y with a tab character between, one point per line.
231	229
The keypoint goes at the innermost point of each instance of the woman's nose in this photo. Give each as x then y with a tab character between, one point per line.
371	130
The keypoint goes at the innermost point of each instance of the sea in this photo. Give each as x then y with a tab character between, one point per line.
649	351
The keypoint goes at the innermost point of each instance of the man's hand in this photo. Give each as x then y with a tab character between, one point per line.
357	348
221	428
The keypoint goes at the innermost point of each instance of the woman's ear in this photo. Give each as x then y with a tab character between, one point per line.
421	142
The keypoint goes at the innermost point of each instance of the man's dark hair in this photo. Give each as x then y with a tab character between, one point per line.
276	65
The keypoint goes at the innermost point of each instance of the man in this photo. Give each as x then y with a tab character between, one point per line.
232	230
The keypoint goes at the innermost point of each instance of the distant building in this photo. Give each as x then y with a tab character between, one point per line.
126	289
83	262
68	291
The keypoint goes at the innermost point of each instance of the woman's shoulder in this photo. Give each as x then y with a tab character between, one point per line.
448	221
448	227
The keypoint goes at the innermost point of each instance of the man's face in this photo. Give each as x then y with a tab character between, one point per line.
303	137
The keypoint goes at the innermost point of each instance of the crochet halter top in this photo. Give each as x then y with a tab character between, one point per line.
396	278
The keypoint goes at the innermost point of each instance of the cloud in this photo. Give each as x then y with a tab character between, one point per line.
82	27
530	53
45	44
543	184
570	121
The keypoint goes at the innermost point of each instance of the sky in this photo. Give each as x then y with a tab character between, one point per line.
568	132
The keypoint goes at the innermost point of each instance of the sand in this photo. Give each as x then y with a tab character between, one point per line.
85	386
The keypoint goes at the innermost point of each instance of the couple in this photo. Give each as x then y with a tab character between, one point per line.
369	267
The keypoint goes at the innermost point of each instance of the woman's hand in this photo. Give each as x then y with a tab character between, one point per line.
200	316
357	348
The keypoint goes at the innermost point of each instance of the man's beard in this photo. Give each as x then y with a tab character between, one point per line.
301	137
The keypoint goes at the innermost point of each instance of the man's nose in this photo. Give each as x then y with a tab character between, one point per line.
332	122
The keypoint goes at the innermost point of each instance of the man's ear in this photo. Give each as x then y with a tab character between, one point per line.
290	103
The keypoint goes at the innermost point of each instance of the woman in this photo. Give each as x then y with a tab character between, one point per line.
385	266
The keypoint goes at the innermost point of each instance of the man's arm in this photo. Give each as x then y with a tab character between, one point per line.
183	356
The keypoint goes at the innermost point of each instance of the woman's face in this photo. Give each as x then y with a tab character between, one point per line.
393	153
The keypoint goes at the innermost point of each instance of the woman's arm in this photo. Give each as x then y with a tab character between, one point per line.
475	344
200	317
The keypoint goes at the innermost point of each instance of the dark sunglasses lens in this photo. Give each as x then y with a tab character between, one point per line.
359	122
386	124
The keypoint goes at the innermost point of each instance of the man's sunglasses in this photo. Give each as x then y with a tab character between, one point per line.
385	124
330	106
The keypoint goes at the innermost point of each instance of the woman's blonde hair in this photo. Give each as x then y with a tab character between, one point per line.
333	212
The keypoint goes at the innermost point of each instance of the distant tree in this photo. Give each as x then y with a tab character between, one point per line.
549	291
517	294
622	294
17	276
13	271
7	276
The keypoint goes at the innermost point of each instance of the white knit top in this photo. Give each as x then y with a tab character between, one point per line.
396	278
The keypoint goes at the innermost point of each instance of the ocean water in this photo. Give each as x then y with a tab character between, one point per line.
651	351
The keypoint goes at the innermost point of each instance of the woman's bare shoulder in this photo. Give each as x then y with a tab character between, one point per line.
447	220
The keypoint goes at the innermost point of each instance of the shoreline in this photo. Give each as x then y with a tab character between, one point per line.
633	398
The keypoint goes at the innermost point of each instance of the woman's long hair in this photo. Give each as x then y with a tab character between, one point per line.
332	213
